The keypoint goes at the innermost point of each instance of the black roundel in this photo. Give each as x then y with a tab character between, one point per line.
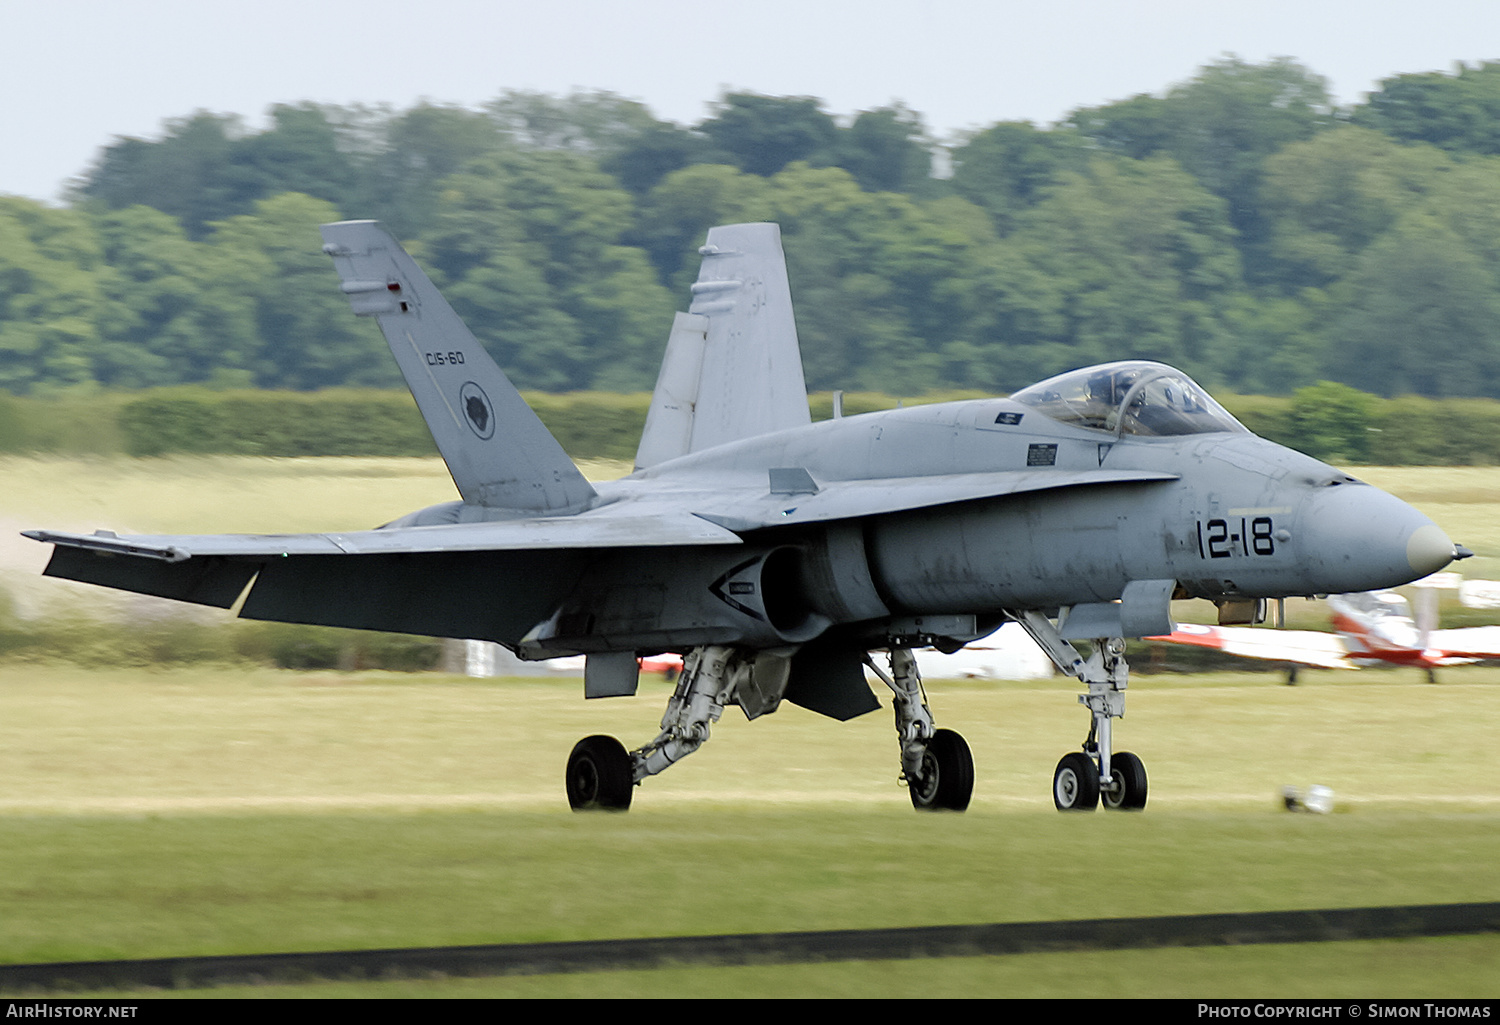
477	410
474	407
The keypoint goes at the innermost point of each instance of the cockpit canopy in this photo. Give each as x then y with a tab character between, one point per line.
1133	397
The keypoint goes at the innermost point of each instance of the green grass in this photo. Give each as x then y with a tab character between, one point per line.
172	813
228	494
160	742
81	887
1449	968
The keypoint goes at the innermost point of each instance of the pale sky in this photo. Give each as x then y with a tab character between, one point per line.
75	74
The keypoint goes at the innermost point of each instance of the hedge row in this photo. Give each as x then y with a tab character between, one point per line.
1329	421
1344	426
589	425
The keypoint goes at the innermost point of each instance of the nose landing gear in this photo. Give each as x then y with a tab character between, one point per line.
1097	774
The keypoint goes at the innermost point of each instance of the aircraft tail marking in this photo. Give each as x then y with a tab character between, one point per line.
498	452
733	368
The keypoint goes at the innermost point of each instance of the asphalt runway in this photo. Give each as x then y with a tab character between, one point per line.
763	948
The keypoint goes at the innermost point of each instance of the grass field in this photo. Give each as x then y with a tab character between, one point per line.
154	813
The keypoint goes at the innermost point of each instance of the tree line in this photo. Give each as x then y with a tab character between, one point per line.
1239	225
1327	420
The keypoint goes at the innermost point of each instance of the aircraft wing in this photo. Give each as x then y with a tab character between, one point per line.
582	531
1305	647
1473	642
488	580
795	498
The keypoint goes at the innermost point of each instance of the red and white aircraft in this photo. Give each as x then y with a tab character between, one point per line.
1372	627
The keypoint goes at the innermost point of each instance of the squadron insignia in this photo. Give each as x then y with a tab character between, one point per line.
477	410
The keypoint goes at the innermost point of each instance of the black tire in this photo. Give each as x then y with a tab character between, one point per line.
1129	793
1075	783
947	780
600	775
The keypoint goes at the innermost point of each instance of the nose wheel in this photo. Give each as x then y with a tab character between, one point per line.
1075	783
1127	792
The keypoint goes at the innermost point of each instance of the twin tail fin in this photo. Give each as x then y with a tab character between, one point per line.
499	453
733	368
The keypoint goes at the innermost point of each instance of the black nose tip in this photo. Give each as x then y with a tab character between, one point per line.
1460	552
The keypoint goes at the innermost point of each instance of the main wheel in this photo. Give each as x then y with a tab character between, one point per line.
947	780
1075	784
1129	790
600	776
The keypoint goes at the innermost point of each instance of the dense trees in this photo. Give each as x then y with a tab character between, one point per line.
1236	224
1458	112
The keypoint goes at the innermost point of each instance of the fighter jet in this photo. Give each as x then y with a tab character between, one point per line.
776	554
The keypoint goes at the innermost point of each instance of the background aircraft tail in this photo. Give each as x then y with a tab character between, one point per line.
499	453
733	368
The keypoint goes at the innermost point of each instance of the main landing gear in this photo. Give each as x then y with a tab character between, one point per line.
602	775
936	765
1096	775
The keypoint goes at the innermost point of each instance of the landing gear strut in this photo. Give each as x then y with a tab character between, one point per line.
1084	779
602	775
936	765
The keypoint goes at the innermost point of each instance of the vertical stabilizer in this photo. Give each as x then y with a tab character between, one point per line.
499	453
733	368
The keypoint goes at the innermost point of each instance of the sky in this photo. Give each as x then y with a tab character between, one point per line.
77	74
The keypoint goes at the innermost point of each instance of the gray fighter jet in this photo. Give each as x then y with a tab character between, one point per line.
776	554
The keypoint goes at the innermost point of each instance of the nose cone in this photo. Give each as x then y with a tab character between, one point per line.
1429	549
1358	538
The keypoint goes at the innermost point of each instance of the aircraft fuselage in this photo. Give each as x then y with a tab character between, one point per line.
1227	515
